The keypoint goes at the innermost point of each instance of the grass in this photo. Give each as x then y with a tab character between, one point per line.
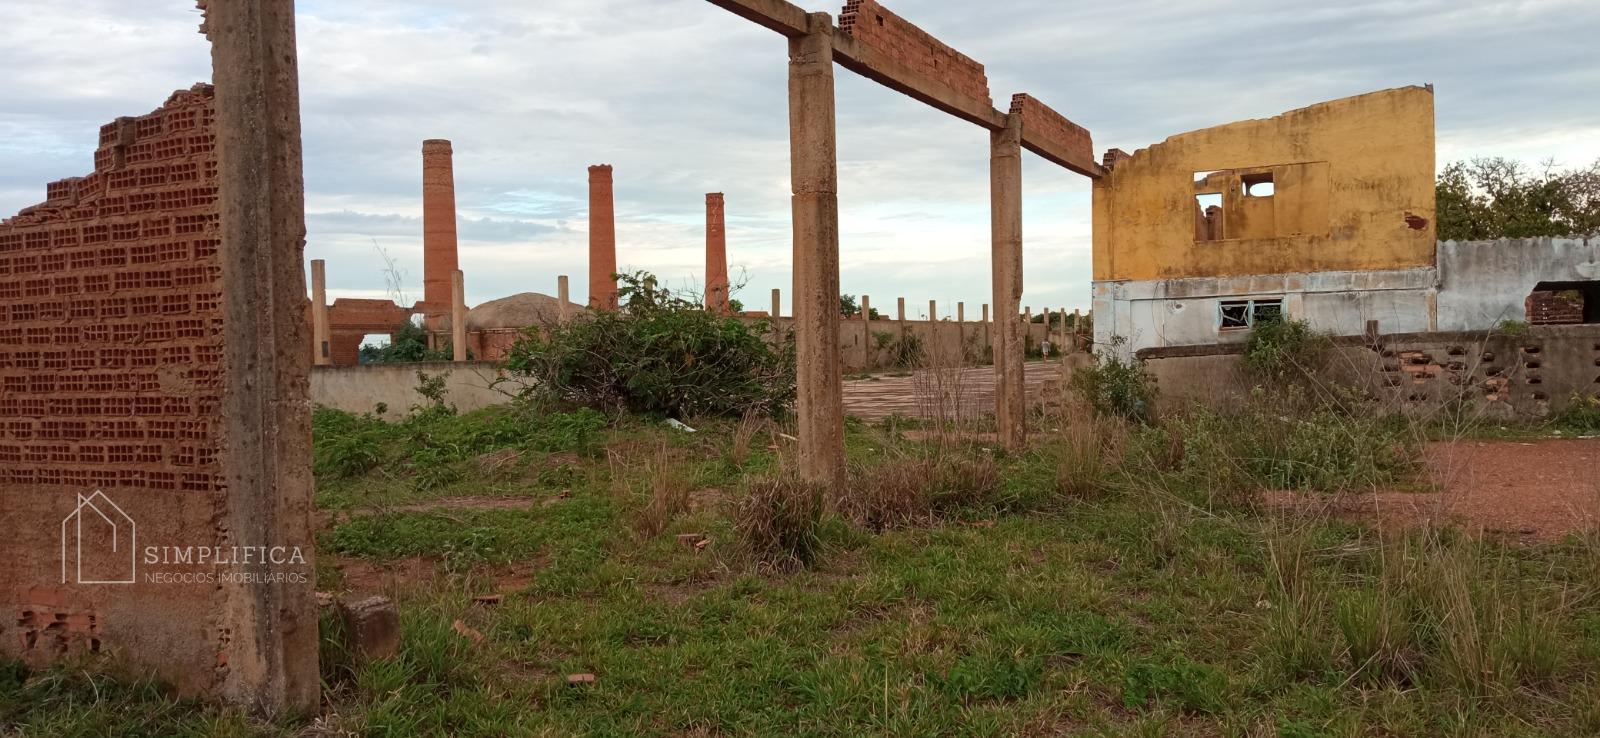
1094	585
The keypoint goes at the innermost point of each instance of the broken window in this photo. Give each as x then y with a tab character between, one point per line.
1233	315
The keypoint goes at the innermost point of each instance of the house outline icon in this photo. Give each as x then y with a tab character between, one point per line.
99	504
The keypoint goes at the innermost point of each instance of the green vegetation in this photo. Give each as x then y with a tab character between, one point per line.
408	344
1499	198
1119	577
664	355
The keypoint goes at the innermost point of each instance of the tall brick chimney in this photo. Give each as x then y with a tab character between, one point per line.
438	224
716	256
602	240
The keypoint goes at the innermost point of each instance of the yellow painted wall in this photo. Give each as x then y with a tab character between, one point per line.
1372	155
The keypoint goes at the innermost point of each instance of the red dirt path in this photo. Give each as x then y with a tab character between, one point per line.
1537	491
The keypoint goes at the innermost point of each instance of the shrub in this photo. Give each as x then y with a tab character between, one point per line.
1280	349
1118	388
408	344
664	354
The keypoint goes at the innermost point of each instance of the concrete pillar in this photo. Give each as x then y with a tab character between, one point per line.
777	301
866	307
961	330
814	176
602	240
1005	212
1077	329
933	310
439	259
322	351
563	294
986	312
900	315
716	256
270	646
458	316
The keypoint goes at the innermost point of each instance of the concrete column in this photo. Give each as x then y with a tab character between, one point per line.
563	294
961	330
602	240
814	175
777	301
716	256
986	312
900	315
439	258
458	316
1005	212
1077	328
271	644
866	307
322	351
933	310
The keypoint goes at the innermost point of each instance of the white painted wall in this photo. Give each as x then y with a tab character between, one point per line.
1476	285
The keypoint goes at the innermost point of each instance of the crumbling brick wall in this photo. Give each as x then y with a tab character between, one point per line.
871	24
111	375
1039	120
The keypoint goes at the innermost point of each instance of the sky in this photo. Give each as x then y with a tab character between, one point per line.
684	98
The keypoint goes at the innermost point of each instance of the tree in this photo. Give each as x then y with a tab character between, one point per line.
408	343
1499	198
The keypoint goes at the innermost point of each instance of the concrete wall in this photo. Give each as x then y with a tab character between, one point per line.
1497	375
1476	286
1484	282
360	389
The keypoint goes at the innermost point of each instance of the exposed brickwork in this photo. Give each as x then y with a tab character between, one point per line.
871	24
439	248
1547	307
110	315
1039	121
602	239
716	255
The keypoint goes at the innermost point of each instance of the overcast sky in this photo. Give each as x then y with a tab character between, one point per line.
684	98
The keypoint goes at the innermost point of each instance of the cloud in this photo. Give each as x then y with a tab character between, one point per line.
684	98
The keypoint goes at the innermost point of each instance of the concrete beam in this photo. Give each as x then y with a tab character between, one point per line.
1050	135
270	647
785	18
879	67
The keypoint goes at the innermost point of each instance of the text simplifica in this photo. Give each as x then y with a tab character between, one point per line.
223	555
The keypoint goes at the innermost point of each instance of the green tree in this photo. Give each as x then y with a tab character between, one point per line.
1500	198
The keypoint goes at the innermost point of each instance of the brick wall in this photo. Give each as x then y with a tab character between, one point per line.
1548	307
871	24
111	375
110	315
1039	120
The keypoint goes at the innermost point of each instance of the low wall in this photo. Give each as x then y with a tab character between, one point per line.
1523	376
873	345
362	389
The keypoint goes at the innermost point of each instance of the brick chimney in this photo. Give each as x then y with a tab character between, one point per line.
716	256
439	259
602	240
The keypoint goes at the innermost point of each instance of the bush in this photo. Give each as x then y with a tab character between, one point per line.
408	343
664	354
1281	349
1116	388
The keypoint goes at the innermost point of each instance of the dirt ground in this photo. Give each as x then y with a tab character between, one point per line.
1535	491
